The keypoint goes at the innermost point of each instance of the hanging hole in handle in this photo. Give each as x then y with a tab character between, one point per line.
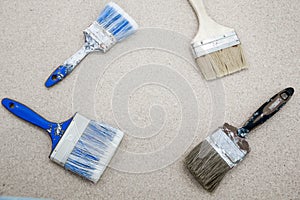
11	105
54	77
284	96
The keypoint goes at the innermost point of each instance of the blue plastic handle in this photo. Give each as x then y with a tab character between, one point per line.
55	130
58	75
26	114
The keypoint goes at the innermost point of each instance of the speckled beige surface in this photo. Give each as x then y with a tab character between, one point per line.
36	36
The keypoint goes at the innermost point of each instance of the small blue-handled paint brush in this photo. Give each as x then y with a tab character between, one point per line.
80	145
113	25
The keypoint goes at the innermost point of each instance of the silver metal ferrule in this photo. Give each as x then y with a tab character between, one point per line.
215	44
104	39
70	138
226	147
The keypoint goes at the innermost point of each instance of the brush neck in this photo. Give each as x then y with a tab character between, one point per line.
199	9
208	28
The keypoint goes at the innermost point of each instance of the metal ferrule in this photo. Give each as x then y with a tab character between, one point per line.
70	138
205	47
227	146
104	39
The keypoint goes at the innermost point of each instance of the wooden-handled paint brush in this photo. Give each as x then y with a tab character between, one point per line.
113	25
80	145
217	49
225	148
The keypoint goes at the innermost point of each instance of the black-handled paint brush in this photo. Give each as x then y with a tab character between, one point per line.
209	161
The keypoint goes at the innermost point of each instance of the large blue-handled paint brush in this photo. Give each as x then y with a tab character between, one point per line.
80	145
113	25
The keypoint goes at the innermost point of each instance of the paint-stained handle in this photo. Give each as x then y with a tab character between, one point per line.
59	74
69	65
55	130
266	111
26	113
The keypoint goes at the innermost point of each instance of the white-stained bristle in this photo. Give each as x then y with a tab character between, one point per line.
221	63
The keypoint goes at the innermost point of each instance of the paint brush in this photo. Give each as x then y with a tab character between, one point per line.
113	25
209	161
80	145
217	49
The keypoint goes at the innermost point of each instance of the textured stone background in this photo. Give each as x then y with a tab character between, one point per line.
37	35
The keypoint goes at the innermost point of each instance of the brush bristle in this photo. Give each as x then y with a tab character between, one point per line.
116	21
222	62
94	150
206	165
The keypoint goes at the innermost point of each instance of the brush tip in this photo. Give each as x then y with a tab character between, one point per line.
206	165
124	14
117	22
221	63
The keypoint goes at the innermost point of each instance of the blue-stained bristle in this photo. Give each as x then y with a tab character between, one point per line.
92	151
112	20
105	14
80	152
76	168
115	23
121	26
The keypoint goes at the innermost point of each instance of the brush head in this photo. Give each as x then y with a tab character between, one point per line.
206	165
112	26
209	161
219	56
117	22
87	147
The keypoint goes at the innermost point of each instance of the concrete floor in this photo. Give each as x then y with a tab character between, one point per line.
170	108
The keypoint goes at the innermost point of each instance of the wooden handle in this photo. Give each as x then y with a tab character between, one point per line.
208	28
199	9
